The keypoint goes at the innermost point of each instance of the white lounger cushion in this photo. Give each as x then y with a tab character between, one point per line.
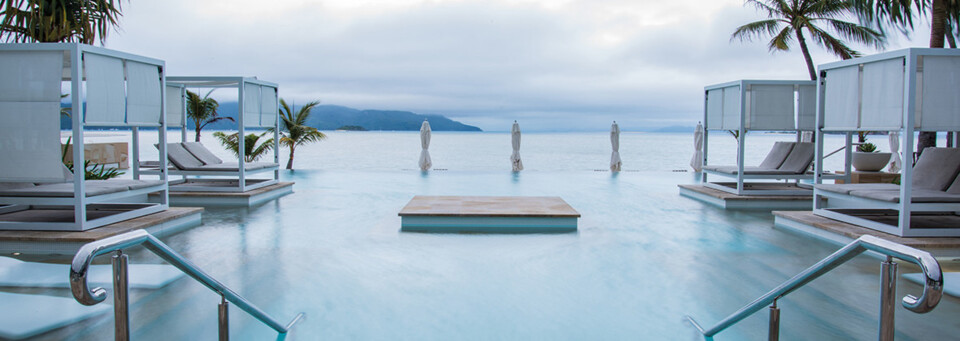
94	188
847	188
232	166
747	170
800	158
182	158
777	155
202	153
918	196
936	169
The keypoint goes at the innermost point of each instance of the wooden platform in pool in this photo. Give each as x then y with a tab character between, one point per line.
197	197
487	214
748	202
841	233
170	221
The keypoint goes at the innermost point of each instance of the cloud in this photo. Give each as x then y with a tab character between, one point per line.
554	65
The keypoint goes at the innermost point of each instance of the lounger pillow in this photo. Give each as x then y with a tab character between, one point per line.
181	158
202	153
800	158
777	155
936	169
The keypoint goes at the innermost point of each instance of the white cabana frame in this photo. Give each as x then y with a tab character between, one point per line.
258	107
885	92
757	105
107	88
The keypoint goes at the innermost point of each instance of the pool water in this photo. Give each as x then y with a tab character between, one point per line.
642	259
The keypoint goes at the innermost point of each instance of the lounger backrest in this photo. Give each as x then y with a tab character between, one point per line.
202	153
777	155
936	169
181	158
800	158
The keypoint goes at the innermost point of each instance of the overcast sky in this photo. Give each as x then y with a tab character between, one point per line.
550	64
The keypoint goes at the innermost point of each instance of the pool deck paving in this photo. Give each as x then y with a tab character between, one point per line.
728	200
850	232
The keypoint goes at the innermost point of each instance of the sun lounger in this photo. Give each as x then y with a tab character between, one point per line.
785	161
936	187
193	159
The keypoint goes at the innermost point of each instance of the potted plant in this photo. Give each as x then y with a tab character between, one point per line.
867	159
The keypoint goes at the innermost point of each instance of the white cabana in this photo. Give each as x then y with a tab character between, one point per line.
696	162
756	105
904	91
258	108
615	162
107	88
515	142
425	162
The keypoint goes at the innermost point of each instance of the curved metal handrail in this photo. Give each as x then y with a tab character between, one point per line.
932	288
81	263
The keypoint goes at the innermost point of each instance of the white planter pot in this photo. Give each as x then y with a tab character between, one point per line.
870	162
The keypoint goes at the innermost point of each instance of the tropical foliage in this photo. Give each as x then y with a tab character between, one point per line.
788	19
92	171
84	21
251	151
203	111
295	130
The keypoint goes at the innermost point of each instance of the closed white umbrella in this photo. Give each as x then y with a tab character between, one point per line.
425	162
697	161
615	162
895	162
515	140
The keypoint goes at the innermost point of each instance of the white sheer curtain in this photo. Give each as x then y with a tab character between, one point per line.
30	116
251	105
269	111
940	101
841	101
807	107
771	107
715	109
882	95
143	94
731	107
174	106
105	90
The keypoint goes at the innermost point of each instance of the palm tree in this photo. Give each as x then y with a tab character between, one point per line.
84	21
944	15
297	132
788	19
203	111
251	151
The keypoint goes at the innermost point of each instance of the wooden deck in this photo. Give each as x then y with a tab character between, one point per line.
479	214
748	202
841	232
173	220
229	199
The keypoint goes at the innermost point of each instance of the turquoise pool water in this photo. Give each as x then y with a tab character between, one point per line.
642	259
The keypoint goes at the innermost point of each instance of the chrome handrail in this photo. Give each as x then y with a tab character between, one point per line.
932	288
81	263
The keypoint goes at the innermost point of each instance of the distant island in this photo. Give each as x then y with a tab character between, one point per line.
352	128
335	117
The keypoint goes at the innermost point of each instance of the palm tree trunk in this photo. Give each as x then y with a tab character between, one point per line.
938	25
197	138
290	160
806	55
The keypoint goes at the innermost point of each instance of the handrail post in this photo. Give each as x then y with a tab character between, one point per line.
121	310
223	317
888	298
774	334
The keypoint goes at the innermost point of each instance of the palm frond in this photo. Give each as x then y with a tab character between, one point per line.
756	29
781	41
832	44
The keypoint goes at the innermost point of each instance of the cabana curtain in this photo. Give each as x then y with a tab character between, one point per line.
174	106
143	94
29	119
251	105
105	90
268	101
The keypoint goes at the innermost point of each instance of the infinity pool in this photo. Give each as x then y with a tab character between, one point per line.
642	259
